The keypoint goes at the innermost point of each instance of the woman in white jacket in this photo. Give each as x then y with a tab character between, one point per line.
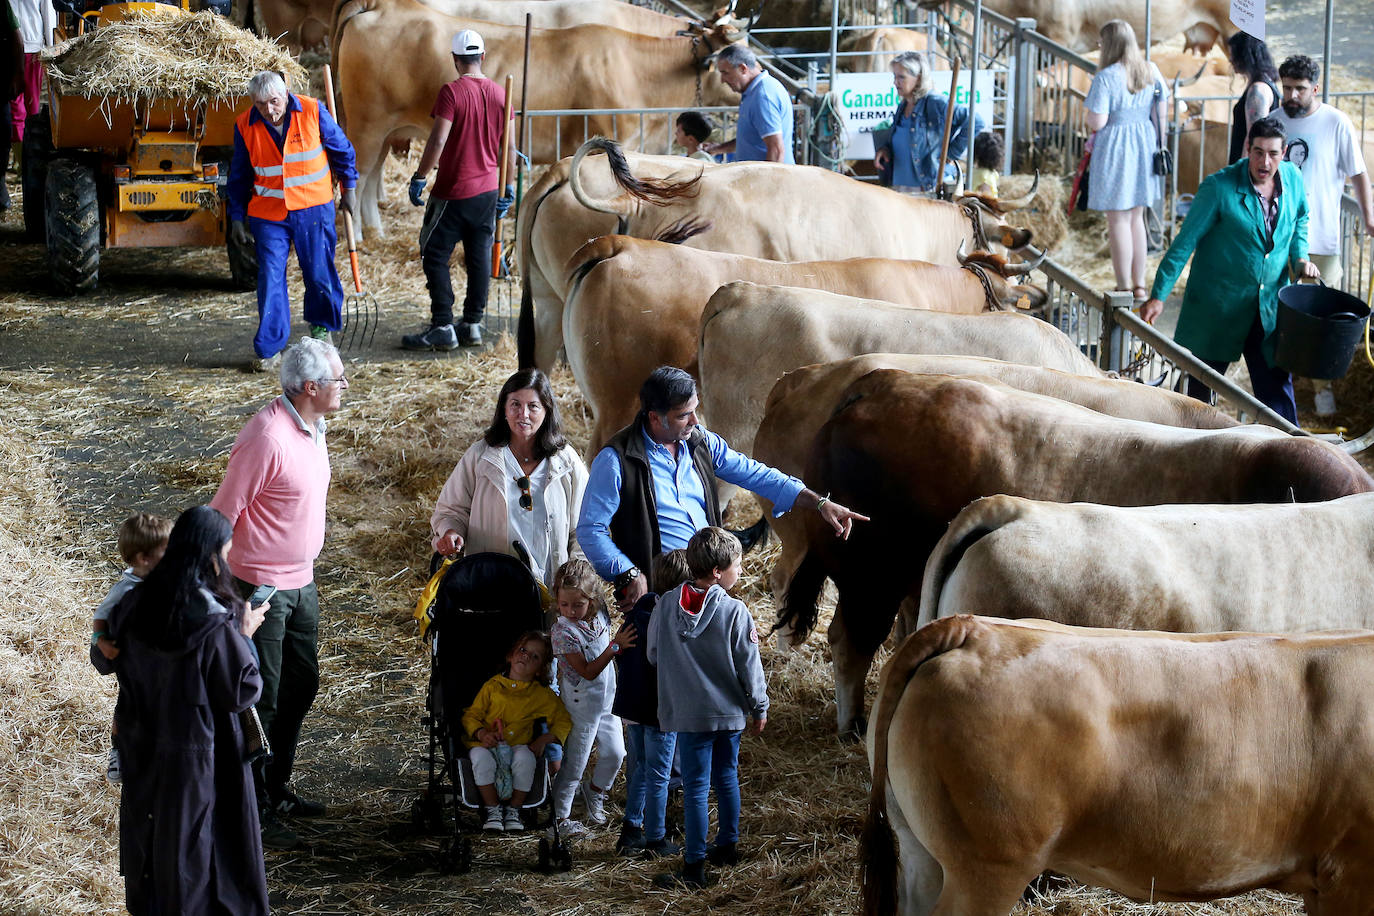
520	484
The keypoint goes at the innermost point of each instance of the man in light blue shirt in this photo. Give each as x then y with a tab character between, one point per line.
764	130
654	486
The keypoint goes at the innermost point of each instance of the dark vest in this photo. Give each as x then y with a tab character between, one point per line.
1238	118
634	527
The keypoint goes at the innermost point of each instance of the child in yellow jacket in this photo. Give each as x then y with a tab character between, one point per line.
500	728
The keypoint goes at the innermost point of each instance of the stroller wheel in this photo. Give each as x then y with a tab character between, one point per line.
544	864
427	816
560	855
455	856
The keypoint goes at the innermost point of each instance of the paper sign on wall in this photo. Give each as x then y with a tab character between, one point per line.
1248	16
867	100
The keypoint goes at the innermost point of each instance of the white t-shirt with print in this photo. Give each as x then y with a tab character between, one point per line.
1324	147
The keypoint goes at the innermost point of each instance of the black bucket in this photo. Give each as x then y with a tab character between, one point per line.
1318	330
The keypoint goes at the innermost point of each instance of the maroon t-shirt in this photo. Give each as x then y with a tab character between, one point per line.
468	165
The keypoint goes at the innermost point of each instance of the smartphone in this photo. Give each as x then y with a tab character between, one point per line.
261	594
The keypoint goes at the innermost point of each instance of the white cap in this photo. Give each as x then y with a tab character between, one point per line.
468	42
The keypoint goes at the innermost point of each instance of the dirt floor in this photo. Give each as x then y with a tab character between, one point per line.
128	400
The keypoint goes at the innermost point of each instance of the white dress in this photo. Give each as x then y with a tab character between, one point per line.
1119	176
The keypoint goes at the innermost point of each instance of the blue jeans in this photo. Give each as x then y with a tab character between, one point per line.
710	760
646	791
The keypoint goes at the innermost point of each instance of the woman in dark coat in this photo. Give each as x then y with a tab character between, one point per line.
188	818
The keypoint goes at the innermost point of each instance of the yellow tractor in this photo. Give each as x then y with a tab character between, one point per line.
128	171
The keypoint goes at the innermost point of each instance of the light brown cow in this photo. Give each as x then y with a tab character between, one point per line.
760	209
1189	569
585	66
635	305
910	451
872	50
1076	23
1162	766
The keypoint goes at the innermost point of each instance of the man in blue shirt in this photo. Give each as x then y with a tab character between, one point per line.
654	486
764	129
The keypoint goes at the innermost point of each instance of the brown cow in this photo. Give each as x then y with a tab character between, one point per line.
1076	23
760	209
911	451
634	305
585	66
1162	766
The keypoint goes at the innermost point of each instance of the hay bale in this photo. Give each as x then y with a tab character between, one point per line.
1045	216
196	57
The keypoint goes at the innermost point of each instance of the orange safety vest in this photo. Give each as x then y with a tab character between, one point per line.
294	177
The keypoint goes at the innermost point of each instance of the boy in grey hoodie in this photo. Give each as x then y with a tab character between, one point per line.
710	686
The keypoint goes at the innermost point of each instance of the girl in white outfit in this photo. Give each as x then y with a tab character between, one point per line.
582	641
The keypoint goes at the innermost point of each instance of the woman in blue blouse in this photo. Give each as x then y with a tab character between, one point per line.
908	158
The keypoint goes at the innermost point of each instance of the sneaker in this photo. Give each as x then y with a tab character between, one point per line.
275	834
661	849
1325	402
512	820
436	338
319	332
494	823
692	877
595	803
288	804
723	854
112	772
469	334
631	840
569	828
265	363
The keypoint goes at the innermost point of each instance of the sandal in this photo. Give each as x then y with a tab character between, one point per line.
1140	294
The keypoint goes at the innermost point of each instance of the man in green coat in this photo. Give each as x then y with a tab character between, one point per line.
1248	223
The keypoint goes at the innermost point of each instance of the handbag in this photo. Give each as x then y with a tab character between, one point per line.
1078	195
255	745
1162	164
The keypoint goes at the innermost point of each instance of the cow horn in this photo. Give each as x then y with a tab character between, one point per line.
960	255
1020	270
1188	81
1020	203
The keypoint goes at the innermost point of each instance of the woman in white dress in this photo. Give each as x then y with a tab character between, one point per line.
520	484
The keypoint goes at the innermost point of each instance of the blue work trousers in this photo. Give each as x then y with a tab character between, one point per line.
313	234
646	790
1273	386
710	760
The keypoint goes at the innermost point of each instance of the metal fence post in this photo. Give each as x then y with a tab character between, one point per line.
1023	82
1112	351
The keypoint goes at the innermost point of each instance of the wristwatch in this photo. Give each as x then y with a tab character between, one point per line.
615	648
623	580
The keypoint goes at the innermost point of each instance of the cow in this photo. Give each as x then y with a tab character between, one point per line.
910	451
761	209
635	304
1076	24
585	66
1162	766
1188	569
872	50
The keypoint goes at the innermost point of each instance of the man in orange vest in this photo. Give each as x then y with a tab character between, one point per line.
285	148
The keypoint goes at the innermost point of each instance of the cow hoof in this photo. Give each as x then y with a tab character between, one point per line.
855	731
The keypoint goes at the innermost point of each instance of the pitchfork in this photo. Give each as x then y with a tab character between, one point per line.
361	313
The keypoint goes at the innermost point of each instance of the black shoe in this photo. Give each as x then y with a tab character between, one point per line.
723	854
469	334
435	338
692	877
661	849
275	834
631	840
288	804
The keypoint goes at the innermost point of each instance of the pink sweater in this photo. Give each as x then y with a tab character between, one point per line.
273	494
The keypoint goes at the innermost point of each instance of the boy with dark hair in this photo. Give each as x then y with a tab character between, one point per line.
710	685
649	748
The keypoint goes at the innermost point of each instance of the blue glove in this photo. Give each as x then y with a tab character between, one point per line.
417	191
505	201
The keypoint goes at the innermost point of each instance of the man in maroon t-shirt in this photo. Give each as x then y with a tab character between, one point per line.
463	207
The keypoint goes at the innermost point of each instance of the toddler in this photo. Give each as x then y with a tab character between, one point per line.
987	162
710	681
586	678
649	749
500	727
141	542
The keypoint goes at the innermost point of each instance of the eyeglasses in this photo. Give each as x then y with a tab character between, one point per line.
526	500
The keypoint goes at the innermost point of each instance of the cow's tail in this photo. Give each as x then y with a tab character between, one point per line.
588	256
979	519
877	844
657	191
524	239
803	592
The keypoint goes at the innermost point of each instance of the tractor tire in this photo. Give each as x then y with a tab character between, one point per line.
37	150
73	222
243	264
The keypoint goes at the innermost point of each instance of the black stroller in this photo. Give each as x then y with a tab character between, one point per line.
484	603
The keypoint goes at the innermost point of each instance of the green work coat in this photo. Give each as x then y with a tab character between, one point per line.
1236	269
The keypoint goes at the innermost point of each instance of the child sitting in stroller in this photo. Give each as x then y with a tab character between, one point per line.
500	729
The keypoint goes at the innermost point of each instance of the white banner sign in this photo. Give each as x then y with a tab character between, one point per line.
867	100
1248	16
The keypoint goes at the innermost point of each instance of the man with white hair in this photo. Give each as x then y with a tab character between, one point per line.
764	129
280	194
465	142
273	494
